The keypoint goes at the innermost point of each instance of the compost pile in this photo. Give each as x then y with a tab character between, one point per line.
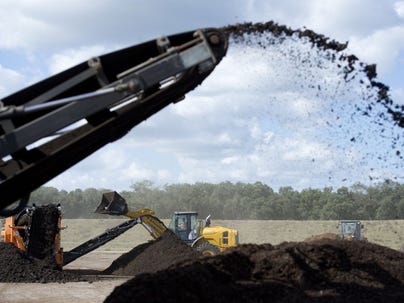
39	266
16	266
152	256
317	271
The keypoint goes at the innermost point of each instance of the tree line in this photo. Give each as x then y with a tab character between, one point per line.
241	201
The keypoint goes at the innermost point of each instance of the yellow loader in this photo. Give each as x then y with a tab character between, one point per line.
351	230
198	233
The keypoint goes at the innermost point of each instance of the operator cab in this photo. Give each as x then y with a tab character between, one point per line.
183	224
351	229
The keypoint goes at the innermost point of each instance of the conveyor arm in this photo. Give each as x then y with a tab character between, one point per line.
98	241
52	125
152	224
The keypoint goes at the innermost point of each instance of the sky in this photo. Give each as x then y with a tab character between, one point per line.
256	118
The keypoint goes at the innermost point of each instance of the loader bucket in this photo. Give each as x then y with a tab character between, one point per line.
112	204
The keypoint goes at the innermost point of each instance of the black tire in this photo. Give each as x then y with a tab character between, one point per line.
207	249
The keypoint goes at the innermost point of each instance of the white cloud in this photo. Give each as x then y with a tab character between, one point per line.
399	8
381	47
294	150
45	24
73	179
42	25
112	167
224	138
20	27
398	95
10	80
70	57
230	160
353	17
133	171
112	158
303	106
336	19
255	131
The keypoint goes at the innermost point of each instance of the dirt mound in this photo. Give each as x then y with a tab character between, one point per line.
329	236
15	266
152	256
38	264
321	271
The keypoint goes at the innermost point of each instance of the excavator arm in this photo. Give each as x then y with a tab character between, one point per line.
113	203
50	126
151	223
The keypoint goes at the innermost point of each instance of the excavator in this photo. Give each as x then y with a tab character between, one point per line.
52	125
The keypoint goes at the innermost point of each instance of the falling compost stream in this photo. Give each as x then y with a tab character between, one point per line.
297	109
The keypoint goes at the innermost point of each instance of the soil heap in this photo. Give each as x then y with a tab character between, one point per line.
16	266
153	256
317	271
38	265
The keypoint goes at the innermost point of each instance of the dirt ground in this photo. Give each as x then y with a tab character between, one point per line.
77	292
383	232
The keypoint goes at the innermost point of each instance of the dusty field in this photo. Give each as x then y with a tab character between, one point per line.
387	233
56	292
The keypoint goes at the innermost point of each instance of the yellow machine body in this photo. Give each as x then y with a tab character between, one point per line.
220	236
198	233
